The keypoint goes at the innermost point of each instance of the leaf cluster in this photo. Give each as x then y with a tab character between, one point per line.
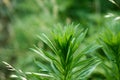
110	40
67	60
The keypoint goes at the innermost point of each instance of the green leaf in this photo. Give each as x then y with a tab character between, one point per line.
46	40
86	70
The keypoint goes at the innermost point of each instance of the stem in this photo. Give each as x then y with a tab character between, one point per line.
65	71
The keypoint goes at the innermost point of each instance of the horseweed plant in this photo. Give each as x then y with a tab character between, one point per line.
110	40
66	59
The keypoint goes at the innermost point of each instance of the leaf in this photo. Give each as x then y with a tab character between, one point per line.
78	40
46	40
86	70
41	54
85	51
38	74
43	66
91	48
109	53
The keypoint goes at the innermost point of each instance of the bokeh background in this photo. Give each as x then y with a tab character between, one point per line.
22	20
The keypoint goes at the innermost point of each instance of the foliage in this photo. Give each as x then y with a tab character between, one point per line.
66	59
110	40
21	20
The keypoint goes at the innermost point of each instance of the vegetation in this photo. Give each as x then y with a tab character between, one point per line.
112	51
65	51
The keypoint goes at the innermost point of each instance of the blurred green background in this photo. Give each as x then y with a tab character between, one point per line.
22	20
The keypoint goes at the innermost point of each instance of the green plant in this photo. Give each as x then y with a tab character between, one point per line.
110	40
66	59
